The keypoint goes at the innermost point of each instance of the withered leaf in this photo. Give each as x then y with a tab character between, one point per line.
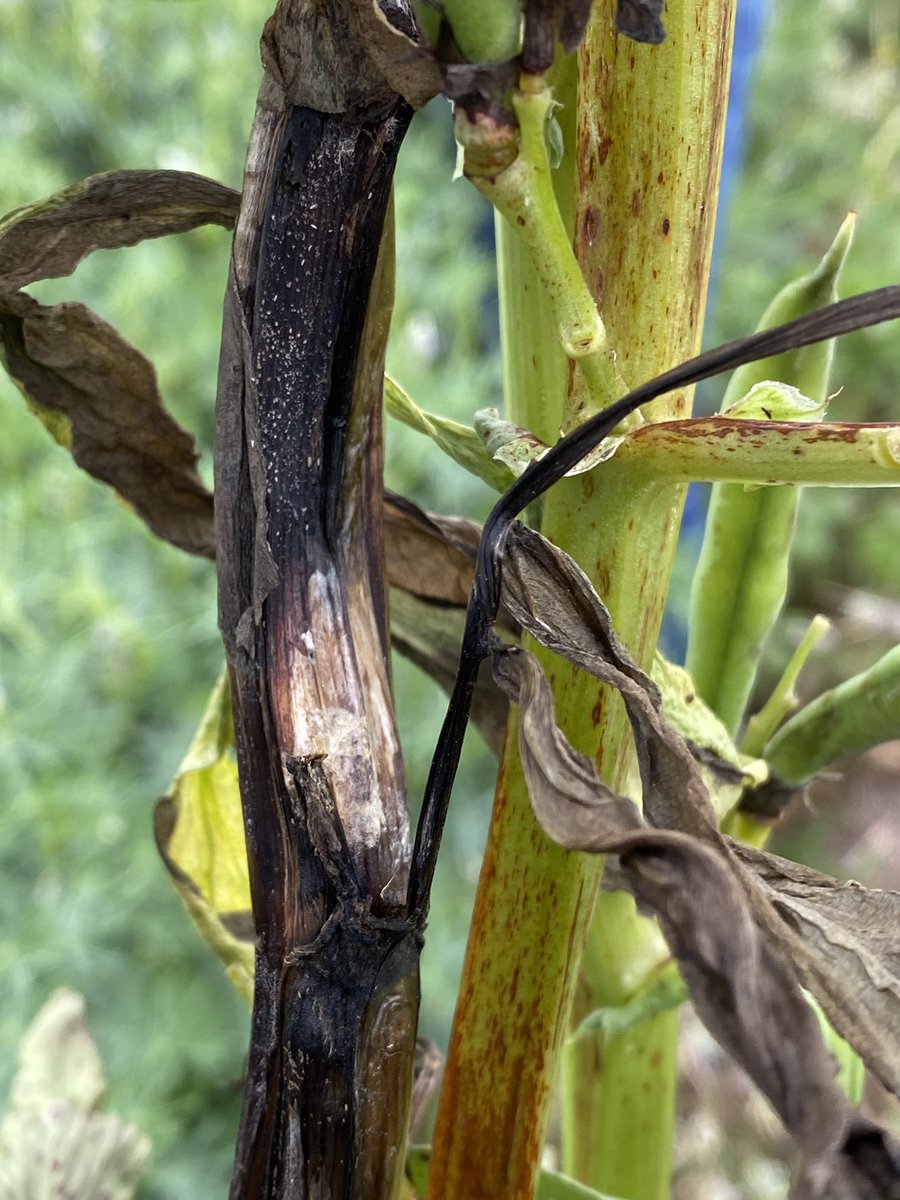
549	20
53	1139
430	565
549	595
846	950
429	556
392	43
98	397
93	391
429	635
430	561
725	923
574	808
337	58
641	20
120	208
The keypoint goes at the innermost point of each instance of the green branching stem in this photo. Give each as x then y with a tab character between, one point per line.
523	194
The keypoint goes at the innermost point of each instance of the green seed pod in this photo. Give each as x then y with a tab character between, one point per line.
486	31
860	713
741	579
808	368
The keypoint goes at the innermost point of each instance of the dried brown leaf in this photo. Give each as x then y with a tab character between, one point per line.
98	396
95	393
430	557
430	562
549	20
121	208
429	635
572	805
736	946
549	595
337	58
641	20
846	950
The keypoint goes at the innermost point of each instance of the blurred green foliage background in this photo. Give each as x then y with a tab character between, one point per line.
108	642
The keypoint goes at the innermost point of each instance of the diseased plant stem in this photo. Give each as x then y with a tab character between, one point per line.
650	127
303	614
767	452
647	146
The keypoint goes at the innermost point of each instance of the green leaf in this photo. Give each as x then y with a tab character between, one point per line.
699	725
52	1141
551	1184
200	834
776	402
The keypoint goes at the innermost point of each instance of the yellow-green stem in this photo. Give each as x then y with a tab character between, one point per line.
534	899
623	952
648	139
649	131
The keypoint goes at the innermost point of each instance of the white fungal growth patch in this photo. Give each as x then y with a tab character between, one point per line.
336	733
345	150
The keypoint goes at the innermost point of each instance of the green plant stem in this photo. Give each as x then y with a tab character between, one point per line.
617	1120
750	827
720	449
460	442
519	972
650	122
624	1147
859	713
622	954
523	193
535	366
531	913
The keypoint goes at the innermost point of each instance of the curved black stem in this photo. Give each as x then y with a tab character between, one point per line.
857	312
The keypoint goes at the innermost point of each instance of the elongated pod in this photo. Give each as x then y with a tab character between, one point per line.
741	579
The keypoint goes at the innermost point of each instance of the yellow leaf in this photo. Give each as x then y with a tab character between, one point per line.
200	834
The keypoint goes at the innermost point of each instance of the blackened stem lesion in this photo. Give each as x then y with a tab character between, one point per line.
302	613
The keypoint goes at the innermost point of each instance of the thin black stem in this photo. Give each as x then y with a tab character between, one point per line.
857	312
